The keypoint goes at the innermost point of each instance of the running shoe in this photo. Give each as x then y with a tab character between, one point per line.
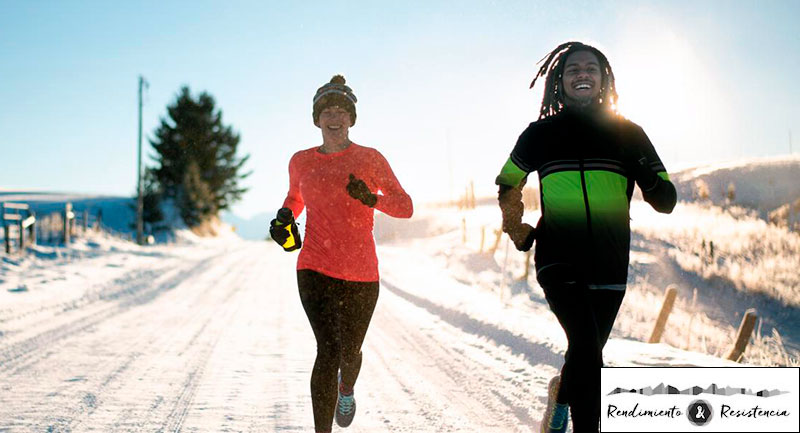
556	416
345	407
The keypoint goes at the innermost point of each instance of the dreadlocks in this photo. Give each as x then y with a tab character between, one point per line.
553	68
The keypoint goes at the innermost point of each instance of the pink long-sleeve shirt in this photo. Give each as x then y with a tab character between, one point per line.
338	239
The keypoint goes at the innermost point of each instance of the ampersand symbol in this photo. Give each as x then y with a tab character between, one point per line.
699	413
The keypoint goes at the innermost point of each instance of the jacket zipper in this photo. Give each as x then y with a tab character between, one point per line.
585	199
589	239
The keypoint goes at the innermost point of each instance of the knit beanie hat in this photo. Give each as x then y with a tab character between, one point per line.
335	93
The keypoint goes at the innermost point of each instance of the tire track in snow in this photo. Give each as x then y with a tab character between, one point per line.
228	348
196	349
218	314
454	380
137	290
80	405
535	353
257	378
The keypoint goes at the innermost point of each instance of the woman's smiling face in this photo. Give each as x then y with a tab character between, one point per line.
334	121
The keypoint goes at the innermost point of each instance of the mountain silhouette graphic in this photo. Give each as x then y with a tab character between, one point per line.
713	388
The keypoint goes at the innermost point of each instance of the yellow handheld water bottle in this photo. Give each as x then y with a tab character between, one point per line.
285	220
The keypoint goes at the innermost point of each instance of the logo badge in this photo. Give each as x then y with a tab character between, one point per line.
699	413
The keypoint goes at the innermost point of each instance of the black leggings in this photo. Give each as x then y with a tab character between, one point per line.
339	312
587	316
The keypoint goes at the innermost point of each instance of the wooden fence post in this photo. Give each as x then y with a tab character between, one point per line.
28	224
67	215
743	336
663	315
463	230
483	234
499	234
692	312
5	227
503	273
21	229
5	236
32	228
471	194
85	220
527	265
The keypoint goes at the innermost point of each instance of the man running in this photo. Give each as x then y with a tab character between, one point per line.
587	157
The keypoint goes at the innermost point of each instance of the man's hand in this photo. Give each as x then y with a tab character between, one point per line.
523	236
359	190
510	200
643	174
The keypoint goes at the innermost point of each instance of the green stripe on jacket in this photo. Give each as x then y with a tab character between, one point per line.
510	174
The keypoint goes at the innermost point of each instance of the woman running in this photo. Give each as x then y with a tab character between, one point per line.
340	184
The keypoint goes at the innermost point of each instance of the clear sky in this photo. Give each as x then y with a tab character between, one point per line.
442	86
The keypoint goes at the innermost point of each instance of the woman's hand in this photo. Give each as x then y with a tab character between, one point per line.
359	190
284	227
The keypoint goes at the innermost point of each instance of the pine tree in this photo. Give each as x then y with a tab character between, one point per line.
199	167
151	199
152	194
195	200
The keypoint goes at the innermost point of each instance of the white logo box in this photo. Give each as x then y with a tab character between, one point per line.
742	399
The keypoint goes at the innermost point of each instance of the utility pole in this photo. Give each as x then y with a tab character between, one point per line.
140	198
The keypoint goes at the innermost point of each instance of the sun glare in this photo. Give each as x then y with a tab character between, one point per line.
664	86
653	80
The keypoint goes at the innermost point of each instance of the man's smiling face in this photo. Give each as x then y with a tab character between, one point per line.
581	79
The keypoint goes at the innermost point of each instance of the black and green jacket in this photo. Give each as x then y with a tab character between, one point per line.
587	166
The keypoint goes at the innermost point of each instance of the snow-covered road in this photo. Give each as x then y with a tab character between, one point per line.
217	341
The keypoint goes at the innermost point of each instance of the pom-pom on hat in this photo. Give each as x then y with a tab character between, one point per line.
335	93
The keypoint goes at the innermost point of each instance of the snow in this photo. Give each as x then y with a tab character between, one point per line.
210	336
707	325
207	334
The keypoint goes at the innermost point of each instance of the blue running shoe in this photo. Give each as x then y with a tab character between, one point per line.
559	418
556	416
345	407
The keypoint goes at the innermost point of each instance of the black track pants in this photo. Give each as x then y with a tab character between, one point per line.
339	312
587	316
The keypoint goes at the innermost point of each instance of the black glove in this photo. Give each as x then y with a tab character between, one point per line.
282	228
643	174
278	233
359	190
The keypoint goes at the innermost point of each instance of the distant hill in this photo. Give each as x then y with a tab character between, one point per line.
118	212
255	228
762	184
